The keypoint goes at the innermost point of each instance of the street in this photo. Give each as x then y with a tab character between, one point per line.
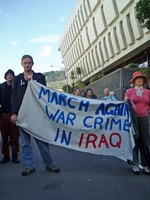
83	176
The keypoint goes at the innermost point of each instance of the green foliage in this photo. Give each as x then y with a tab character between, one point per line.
93	79
100	76
78	69
144	70
133	65
73	86
72	75
55	79
64	88
57	85
80	84
55	76
143	13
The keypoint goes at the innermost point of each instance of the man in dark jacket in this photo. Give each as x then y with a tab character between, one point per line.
19	86
8	129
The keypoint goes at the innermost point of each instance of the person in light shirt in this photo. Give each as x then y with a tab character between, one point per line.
107	95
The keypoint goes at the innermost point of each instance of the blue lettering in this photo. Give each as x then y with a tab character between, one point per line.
70	117
62	99
85	123
82	104
69	102
61	117
112	109
44	92
63	137
100	108
108	110
126	125
115	122
54	98
51	116
119	109
57	135
98	120
107	122
126	110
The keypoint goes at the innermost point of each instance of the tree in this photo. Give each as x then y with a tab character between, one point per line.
133	65
143	13
143	69
78	70
80	84
64	88
72	75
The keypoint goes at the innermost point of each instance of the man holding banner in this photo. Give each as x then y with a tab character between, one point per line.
73	122
19	86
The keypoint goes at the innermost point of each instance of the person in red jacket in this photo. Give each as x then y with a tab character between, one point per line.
140	101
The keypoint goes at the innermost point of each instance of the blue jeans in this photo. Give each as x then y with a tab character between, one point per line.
27	150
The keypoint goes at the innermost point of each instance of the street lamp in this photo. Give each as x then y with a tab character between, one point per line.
66	73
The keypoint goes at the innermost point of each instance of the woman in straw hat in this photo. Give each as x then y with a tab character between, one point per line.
140	101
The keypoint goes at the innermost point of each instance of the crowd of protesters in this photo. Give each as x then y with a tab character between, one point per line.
11	96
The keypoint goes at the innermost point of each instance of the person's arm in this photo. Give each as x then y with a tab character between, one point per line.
14	109
149	101
1	101
40	78
44	81
126	96
13	118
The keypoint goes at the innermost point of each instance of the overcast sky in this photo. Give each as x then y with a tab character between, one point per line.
32	27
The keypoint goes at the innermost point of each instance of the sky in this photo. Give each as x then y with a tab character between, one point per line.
32	27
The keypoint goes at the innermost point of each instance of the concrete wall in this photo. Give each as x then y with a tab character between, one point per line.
117	82
100	35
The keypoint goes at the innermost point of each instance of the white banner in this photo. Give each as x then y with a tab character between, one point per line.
94	126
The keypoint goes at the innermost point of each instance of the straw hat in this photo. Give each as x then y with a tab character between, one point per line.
139	74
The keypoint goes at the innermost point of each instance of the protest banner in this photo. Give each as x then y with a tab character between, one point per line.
94	126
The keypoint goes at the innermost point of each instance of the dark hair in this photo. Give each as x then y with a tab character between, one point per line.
9	71
26	56
90	90
76	88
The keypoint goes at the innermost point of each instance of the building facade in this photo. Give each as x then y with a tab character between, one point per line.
102	36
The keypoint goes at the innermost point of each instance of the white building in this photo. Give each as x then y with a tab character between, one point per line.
102	36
